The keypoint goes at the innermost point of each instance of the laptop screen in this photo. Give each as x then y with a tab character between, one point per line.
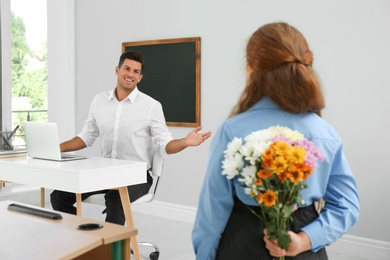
42	140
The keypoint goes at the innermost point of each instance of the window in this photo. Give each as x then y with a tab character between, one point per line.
26	92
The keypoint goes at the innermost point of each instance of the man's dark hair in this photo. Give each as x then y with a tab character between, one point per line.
132	55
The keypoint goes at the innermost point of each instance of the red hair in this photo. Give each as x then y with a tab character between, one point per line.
281	64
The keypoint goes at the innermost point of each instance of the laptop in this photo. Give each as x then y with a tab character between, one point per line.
42	142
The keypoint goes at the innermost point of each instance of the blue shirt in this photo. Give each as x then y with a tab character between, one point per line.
333	180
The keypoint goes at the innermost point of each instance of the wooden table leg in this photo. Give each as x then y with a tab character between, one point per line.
78	204
42	197
124	194
126	249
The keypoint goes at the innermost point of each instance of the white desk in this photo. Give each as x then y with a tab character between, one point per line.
80	176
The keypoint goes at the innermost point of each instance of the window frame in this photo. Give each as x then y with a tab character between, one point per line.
61	64
5	67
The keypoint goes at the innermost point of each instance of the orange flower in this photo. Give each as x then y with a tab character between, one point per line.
258	182
264	174
279	165
296	177
269	198
305	169
259	198
267	158
282	176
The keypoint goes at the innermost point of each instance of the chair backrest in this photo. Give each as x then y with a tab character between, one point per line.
157	164
157	168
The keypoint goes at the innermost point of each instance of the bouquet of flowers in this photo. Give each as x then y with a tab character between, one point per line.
272	165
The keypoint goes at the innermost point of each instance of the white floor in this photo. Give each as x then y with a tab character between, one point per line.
172	237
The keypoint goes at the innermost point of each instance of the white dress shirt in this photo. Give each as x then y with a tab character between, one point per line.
129	129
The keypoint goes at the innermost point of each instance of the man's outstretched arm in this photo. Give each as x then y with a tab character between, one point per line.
192	139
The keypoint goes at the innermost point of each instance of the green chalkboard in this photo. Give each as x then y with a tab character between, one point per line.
172	76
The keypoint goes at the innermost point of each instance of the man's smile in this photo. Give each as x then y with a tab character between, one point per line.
129	80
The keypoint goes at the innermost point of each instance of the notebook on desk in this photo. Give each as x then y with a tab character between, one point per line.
42	142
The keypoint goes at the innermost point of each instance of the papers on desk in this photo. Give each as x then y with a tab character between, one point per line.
13	153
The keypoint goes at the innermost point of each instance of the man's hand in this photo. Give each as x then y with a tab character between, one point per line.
194	138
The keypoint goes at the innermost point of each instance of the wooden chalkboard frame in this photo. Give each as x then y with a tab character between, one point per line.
190	89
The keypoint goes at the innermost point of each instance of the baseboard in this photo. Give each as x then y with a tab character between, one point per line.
360	247
167	210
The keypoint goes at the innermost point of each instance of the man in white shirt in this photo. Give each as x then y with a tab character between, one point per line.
131	125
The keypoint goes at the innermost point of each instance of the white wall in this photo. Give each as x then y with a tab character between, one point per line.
350	40
61	66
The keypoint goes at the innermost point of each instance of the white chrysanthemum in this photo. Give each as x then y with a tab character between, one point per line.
259	136
251	191
233	147
253	150
261	147
232	165
248	175
248	191
286	132
247	152
255	190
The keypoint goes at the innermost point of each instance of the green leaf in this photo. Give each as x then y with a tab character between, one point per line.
283	238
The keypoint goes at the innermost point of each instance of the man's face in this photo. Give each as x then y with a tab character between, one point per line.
129	74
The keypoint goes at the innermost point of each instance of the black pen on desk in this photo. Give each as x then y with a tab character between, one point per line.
12	133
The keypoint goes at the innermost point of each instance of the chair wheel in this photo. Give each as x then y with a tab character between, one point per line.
154	255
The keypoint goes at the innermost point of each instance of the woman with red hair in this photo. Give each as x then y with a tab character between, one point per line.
282	89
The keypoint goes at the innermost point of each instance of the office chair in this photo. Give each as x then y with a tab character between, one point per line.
157	167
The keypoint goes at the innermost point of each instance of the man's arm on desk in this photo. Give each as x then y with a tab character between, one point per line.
72	145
